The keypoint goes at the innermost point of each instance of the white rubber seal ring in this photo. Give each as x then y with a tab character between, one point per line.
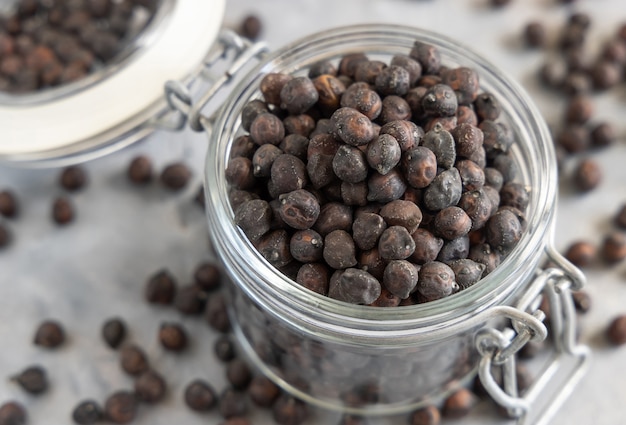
179	45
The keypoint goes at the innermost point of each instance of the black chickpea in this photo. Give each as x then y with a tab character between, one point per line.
9	206
436	280
173	337
121	407
200	396
263	392
354	286
315	277
616	331
271	86
535	34
33	380
87	412
49	334
581	253
150	387
133	360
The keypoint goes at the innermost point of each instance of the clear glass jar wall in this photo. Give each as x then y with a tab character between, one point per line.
362	359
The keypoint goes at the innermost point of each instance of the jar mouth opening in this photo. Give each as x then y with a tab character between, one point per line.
533	151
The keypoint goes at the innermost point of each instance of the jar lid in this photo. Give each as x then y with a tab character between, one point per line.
113	111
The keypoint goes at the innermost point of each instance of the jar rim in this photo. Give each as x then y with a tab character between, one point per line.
533	142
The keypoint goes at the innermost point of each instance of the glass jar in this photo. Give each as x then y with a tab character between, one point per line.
369	360
119	104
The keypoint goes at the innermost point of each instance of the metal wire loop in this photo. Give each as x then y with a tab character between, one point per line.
574	276
498	347
249	52
516	407
489	342
177	95
230	39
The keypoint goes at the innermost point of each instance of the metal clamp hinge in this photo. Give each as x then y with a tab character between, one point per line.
568	363
182	107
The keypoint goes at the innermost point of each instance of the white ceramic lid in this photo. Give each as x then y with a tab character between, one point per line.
125	99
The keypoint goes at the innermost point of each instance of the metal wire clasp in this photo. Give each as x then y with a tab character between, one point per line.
568	361
178	95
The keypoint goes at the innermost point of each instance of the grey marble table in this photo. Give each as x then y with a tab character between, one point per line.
96	267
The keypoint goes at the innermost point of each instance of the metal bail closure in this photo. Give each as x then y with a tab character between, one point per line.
568	360
178	95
